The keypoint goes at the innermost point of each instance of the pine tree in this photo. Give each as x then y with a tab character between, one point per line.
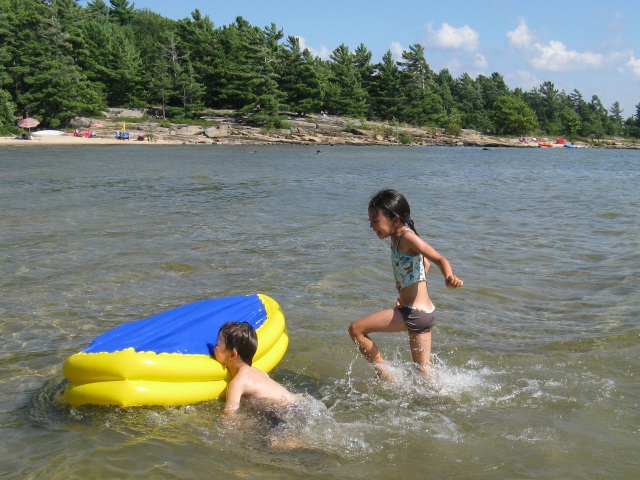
511	115
121	12
300	81
385	89
7	111
47	82
445	85
470	103
362	62
616	119
346	95
200	41
423	105
160	85
98	9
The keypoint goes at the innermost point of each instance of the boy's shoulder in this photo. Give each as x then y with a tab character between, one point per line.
249	373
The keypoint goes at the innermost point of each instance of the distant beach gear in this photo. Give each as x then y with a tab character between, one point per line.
29	123
48	133
167	359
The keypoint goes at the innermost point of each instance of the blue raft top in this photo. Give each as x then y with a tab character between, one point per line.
189	329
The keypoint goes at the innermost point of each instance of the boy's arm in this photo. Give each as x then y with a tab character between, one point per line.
234	394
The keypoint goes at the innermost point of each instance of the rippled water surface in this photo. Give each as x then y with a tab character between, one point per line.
537	356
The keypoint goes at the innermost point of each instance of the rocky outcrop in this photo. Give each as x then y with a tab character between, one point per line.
229	128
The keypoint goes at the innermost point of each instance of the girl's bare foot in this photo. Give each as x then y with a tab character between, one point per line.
384	373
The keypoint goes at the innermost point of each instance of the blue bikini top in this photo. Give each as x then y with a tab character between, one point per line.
407	269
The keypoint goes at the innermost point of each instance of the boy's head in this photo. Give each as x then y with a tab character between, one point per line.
241	337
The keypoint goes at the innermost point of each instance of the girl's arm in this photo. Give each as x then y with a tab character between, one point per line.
416	245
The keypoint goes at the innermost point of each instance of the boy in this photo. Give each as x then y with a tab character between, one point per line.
237	344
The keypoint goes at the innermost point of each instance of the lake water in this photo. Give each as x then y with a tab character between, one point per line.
536	357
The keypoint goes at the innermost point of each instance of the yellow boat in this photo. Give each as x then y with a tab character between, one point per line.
168	359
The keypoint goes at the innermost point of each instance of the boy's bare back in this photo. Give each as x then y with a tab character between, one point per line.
251	382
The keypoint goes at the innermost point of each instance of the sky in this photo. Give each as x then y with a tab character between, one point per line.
589	45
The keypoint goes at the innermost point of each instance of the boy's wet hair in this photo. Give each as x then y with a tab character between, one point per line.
241	337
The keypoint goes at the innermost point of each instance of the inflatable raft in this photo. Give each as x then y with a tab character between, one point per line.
168	359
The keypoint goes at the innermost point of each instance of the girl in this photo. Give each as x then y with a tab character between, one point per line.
389	218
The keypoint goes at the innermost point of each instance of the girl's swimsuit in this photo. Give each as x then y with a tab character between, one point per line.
409	269
418	321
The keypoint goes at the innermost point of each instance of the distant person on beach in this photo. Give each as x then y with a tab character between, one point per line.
410	256
237	344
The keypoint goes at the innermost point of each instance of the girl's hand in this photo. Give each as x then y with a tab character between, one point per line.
453	282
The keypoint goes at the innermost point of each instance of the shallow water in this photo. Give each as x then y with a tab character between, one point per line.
536	358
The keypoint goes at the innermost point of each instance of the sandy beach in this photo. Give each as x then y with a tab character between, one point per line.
68	139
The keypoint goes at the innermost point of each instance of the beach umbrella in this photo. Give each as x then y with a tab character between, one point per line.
28	123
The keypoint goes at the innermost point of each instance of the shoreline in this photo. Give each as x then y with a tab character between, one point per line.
313	130
68	139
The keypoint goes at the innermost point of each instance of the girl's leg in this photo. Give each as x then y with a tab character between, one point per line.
420	344
385	321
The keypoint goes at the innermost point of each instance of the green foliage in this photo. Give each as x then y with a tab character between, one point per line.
422	105
7	112
60	59
570	121
511	115
300	79
385	89
121	11
452	128
406	139
345	95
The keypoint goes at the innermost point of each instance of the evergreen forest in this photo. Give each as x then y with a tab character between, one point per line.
60	60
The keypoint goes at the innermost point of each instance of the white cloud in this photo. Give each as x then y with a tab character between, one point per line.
523	79
553	56
480	62
323	52
556	57
520	37
396	51
634	65
451	38
454	66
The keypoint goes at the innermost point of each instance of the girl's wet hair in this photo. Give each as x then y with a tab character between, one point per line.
392	204
241	337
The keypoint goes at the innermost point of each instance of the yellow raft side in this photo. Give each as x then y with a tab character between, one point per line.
274	325
126	393
128	364
128	378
